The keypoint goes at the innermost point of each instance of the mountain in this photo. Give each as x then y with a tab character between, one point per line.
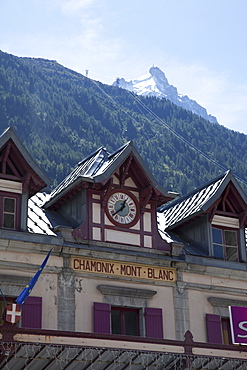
156	84
62	116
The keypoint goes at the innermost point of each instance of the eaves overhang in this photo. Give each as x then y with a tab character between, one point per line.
229	178
198	202
8	134
66	190
186	220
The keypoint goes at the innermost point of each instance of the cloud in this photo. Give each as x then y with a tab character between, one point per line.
212	89
76	5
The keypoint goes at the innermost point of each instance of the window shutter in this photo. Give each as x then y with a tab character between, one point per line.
102	318
154	322
214	332
32	313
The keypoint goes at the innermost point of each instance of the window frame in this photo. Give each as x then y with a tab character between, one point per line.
223	229
17	198
152	320
226	330
123	319
218	329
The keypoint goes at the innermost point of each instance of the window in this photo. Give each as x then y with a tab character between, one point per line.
225	244
9	211
125	321
226	330
218	329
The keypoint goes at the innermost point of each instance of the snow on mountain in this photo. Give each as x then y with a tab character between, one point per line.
156	84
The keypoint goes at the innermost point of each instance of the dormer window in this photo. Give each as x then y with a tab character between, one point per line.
225	232
225	244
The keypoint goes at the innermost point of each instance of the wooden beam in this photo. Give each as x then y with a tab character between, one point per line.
212	213
12	167
126	170
229	214
242	219
237	198
224	197
11	177
26	182
108	188
230	205
5	158
145	196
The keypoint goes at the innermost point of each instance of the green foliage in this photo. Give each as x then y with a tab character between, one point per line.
62	116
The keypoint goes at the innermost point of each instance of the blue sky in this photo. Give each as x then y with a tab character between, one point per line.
199	44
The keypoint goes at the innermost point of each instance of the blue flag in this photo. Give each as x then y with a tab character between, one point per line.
28	288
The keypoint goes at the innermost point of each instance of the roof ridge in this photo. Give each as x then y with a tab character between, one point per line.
99	159
129	143
193	192
91	155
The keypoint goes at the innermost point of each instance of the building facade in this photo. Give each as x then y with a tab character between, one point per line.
136	278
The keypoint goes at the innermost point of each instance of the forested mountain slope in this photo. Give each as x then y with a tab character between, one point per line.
62	116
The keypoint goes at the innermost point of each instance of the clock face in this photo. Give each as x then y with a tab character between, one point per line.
122	208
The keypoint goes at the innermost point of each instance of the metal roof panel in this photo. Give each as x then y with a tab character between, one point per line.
188	206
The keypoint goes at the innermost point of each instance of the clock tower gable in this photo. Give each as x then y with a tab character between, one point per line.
120	199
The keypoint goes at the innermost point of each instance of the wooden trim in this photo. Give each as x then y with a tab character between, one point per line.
212	213
145	196
228	222
108	187
13	168
26	182
242	219
5	157
229	205
225	197
126	170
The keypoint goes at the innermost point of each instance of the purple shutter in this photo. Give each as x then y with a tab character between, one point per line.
102	318
154	322
214	333
32	313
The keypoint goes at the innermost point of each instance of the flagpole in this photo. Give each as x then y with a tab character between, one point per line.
28	288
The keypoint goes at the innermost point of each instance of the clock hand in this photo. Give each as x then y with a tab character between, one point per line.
121	208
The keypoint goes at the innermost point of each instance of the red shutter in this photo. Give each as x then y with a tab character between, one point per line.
214	332
154	322
102	318
31	315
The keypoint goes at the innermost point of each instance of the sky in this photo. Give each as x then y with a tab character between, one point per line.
200	45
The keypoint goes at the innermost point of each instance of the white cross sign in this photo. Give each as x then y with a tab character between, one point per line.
13	313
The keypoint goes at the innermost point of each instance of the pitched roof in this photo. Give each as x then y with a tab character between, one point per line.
99	166
40	180
196	202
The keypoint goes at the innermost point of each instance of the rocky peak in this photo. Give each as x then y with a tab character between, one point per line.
156	84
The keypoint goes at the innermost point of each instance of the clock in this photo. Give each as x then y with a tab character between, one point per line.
122	208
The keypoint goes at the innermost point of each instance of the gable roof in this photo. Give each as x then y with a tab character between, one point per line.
14	148
98	167
197	202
